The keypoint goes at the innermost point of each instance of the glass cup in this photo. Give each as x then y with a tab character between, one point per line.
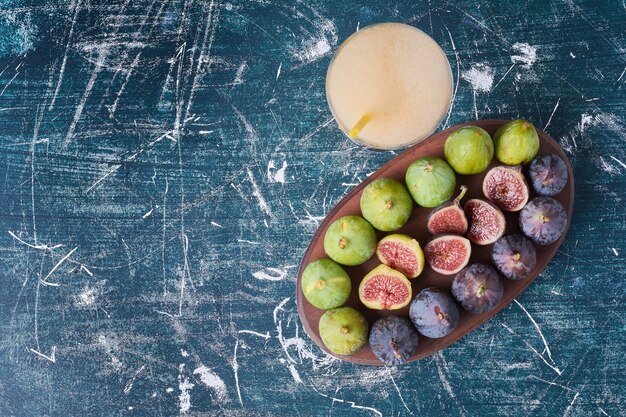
389	86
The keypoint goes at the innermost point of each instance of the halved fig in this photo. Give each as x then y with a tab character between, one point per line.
401	252
448	254
385	289
486	222
514	256
448	218
506	187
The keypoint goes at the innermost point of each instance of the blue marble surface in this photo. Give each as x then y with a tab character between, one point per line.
164	164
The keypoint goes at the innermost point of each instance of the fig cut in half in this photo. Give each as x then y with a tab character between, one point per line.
401	252
448	254
448	218
506	187
486	221
385	289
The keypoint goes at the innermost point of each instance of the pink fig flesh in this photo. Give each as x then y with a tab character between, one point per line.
506	188
448	254
486	221
449	218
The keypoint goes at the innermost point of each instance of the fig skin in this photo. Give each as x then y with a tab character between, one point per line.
384	288
486	222
448	254
343	330
430	181
469	150
386	204
506	187
516	142
456	222
434	313
543	220
393	340
403	249
478	288
325	284
350	240
514	256
548	174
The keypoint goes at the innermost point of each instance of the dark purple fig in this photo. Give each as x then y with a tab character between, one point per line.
434	313
449	217
478	288
514	256
486	222
448	254
506	187
543	220
548	174
393	340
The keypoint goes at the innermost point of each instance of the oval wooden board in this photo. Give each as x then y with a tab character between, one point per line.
416	227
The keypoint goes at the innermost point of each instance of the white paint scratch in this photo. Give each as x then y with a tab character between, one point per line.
81	105
38	246
272	274
54	268
112	170
552	383
212	380
217	225
276	175
185	387
480	76
527	54
294	373
51	358
129	384
439	361
398	391
265	335
235	366
615	251
351	403
239	75
148	214
550	365
543	339
257	193
278	71
316	130
618	161
568	410
552	114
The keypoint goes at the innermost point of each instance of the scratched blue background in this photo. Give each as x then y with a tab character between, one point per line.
164	164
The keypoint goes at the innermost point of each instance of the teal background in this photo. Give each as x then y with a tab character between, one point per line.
164	164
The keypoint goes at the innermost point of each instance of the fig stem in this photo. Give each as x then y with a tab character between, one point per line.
516	256
319	284
457	200
428	167
342	244
546	219
344	329
389	204
394	349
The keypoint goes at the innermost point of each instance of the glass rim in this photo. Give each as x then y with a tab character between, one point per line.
368	145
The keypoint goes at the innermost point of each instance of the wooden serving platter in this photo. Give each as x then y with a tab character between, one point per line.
416	227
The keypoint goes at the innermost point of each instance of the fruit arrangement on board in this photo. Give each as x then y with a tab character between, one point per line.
455	229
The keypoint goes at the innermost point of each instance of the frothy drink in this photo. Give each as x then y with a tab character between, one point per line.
389	85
